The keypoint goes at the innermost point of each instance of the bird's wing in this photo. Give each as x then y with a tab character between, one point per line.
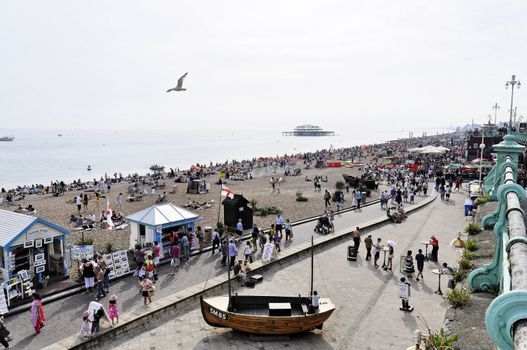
173	89
180	81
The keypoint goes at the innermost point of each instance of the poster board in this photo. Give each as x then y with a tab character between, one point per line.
79	252
118	262
267	252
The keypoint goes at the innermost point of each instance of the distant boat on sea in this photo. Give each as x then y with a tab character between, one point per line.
89	168
7	138
59	135
308	130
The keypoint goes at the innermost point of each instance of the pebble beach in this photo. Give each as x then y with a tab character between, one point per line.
57	210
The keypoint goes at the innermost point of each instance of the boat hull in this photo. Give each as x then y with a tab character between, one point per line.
215	312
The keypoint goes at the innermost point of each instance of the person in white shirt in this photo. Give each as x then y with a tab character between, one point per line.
313	307
248	252
78	202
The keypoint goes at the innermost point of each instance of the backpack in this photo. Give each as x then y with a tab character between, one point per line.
149	266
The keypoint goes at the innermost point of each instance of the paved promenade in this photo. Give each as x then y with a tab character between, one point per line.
64	316
367	315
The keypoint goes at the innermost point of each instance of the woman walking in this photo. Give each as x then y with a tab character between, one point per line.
147	291
409	265
88	273
37	313
4	333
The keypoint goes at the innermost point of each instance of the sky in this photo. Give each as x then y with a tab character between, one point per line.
354	65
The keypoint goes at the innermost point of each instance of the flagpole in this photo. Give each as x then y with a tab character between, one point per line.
219	204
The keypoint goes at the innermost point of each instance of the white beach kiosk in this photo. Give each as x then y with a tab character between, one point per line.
29	246
157	223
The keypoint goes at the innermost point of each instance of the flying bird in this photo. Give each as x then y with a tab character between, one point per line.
179	86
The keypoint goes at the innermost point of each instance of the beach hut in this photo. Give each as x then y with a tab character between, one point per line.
157	223
32	244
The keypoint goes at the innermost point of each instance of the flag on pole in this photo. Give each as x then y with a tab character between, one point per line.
225	192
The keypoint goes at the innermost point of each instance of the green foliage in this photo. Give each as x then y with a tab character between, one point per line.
441	341
335	196
109	248
300	197
85	241
473	229
339	185
467	254
460	274
483	200
458	297
253	203
267	210
464	263
220	227
471	245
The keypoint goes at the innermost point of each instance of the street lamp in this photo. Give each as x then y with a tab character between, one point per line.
511	83
481	147
495	108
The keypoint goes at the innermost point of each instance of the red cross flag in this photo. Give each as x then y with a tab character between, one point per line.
225	192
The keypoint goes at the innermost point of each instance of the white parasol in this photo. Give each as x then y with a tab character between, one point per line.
392	244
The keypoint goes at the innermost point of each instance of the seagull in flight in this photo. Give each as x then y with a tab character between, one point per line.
179	86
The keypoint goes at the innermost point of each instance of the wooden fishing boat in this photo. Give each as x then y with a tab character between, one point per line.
266	315
251	314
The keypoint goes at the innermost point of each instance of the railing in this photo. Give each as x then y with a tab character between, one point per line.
506	316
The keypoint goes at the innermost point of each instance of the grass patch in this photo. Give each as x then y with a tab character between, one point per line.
471	245
473	229
458	297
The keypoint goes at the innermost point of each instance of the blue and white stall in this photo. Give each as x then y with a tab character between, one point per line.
29	246
158	222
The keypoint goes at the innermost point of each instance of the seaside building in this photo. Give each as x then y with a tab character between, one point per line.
308	130
157	223
32	250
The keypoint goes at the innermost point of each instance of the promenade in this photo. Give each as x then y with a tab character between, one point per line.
367	314
64	316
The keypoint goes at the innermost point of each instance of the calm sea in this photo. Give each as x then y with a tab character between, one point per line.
40	156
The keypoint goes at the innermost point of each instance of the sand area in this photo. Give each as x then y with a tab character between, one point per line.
56	210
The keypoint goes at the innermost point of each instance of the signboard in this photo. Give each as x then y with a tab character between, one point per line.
79	252
118	263
404	290
267	252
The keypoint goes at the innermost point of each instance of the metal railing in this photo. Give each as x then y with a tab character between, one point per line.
506	316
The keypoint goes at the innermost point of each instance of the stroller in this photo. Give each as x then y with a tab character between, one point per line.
323	225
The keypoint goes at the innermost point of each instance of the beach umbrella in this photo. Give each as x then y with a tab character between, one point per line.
392	244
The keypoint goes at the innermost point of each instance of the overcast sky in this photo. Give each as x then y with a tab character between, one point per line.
362	65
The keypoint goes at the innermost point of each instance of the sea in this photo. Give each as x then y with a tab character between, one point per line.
42	156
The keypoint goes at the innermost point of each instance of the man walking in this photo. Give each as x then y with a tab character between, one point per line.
368	243
420	258
435	247
356	239
233	251
358	197
239	228
327	198
278	223
378	248
215	240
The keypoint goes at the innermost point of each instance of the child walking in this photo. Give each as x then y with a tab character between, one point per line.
113	310
86	325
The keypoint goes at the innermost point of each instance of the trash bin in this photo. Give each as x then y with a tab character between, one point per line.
208	234
352	253
237	208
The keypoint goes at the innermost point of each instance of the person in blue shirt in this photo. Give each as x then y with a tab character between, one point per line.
358	197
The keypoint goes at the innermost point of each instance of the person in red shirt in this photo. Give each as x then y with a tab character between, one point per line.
435	247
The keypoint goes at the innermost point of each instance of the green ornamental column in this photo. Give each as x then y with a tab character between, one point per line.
507	148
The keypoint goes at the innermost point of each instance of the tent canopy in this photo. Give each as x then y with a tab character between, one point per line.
158	215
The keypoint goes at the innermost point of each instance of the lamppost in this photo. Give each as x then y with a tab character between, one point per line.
495	108
481	147
513	82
